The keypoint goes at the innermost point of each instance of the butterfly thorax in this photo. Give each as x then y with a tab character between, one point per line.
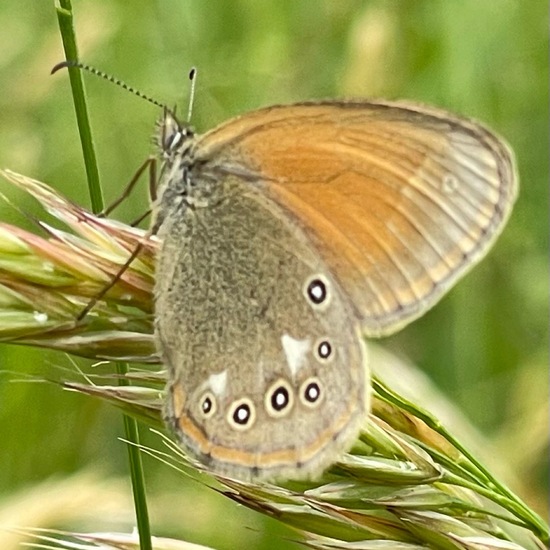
178	186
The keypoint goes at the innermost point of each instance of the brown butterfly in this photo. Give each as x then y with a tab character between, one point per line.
290	233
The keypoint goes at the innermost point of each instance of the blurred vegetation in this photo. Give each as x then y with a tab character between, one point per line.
484	346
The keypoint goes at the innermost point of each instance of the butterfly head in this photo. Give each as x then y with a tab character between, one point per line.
173	138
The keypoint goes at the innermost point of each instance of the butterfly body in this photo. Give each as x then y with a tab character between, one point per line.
287	234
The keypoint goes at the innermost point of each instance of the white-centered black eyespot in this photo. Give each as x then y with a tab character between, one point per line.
316	290
311	392
241	414
279	398
208	405
323	350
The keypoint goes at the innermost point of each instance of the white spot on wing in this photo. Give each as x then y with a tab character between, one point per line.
295	352
217	382
449	184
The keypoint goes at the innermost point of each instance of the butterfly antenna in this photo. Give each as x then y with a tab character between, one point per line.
108	77
193	79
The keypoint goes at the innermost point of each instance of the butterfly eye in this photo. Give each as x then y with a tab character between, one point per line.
173	141
241	414
279	399
208	405
174	136
317	291
311	392
323	349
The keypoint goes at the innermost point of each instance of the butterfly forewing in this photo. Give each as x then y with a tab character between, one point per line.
399	199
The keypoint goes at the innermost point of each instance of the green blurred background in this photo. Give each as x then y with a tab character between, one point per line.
484	346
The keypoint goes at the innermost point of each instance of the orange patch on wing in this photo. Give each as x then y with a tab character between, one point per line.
281	457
